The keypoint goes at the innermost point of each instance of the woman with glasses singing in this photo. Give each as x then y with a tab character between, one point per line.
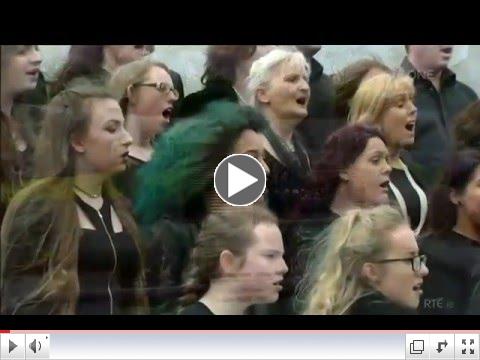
147	96
454	245
369	264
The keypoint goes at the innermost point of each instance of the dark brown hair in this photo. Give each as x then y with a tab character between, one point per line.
223	60
83	60
467	127
348	80
340	151
229	229
443	213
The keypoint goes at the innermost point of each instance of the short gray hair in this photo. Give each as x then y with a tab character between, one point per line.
262	69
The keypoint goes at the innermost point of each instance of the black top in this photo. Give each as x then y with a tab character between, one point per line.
214	90
169	243
197	308
107	268
452	260
321	110
434	136
286	186
377	304
399	178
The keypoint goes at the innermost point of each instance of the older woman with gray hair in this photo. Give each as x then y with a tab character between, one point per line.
279	88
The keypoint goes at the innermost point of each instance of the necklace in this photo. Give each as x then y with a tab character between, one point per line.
92	196
240	97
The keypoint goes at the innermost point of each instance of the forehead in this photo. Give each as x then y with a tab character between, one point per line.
102	110
373	145
403	241
403	87
290	66
156	73
268	236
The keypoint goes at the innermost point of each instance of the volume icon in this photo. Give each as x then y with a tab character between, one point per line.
35	346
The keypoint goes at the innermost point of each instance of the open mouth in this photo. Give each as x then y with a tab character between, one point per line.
125	156
410	126
167	113
418	288
384	185
447	50
302	101
278	284
33	72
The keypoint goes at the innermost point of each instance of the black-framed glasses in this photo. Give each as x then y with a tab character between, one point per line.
416	261
162	87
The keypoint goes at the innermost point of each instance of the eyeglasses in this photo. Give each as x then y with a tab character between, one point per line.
416	261
162	87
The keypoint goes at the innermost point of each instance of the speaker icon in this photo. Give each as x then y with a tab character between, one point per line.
35	346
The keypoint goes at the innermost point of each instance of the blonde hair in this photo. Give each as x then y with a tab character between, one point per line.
376	95
359	236
129	74
263	68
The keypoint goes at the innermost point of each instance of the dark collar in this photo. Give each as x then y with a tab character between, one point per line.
376	303
316	69
448	76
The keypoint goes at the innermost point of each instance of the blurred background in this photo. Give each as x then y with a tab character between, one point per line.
188	60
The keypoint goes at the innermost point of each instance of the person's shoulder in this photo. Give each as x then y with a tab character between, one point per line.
377	304
467	90
196	309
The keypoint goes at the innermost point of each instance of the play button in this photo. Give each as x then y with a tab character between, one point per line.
11	346
240	180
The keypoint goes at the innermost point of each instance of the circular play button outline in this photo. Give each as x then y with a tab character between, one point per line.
226	160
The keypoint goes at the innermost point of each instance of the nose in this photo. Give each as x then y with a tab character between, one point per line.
283	267
127	138
172	96
305	86
413	109
424	270
387	168
35	57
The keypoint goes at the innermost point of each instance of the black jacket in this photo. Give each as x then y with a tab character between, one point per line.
321	110
452	259
377	304
434	138
213	90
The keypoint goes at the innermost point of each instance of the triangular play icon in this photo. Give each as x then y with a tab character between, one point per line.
238	180
11	346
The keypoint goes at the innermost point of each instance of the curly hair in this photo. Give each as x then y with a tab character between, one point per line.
341	150
180	172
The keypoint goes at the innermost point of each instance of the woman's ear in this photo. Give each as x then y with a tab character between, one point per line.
228	262
343	175
78	143
370	272
130	95
262	96
455	198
